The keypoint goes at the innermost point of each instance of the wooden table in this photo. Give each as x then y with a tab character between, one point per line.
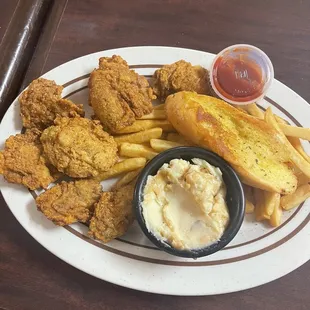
31	277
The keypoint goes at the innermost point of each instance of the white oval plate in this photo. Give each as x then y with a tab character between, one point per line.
257	255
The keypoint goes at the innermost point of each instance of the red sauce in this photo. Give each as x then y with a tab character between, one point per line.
239	79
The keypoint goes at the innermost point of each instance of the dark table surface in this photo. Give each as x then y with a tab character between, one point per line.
7	7
30	276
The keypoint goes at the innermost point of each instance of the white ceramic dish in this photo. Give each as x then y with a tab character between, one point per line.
257	255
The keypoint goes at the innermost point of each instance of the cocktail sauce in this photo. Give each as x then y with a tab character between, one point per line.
239	79
241	74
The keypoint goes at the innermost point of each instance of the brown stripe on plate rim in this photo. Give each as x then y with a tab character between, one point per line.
76	91
85	76
146	66
34	195
137	244
191	264
82	77
291	117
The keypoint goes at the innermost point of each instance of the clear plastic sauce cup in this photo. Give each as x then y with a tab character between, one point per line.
241	74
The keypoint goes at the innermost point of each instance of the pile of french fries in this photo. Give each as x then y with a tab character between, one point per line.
267	205
140	142
153	134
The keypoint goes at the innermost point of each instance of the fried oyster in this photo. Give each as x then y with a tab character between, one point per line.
113	214
79	147
117	94
22	161
179	76
70	202
41	103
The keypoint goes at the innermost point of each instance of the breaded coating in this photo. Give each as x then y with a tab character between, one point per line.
79	147
117	94
70	202
113	214
22	161
1	162
41	102
179	76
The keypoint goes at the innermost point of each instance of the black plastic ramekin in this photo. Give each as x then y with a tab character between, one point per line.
234	198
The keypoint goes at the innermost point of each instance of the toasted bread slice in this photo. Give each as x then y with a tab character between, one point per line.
250	145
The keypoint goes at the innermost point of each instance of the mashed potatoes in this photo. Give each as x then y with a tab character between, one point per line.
184	204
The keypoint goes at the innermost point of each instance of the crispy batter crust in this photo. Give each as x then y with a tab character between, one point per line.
41	103
117	94
1	162
179	76
70	202
79	147
22	161
113	214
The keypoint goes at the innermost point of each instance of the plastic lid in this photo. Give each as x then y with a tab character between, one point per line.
241	74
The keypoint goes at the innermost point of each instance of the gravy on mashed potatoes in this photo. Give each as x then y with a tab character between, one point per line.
184	204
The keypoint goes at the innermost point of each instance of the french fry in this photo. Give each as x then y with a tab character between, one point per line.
126	165
162	145
297	145
248	192
145	124
254	110
126	179
294	140
159	106
302	179
249	199
270	202
238	107
291	201
295	157
249	207
175	137
164	135
275	218
156	114
136	150
280	120
293	131
140	137
260	210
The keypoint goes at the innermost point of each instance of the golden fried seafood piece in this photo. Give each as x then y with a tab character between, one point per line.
41	102
22	161
70	202
1	162
113	214
79	147
179	76
117	94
